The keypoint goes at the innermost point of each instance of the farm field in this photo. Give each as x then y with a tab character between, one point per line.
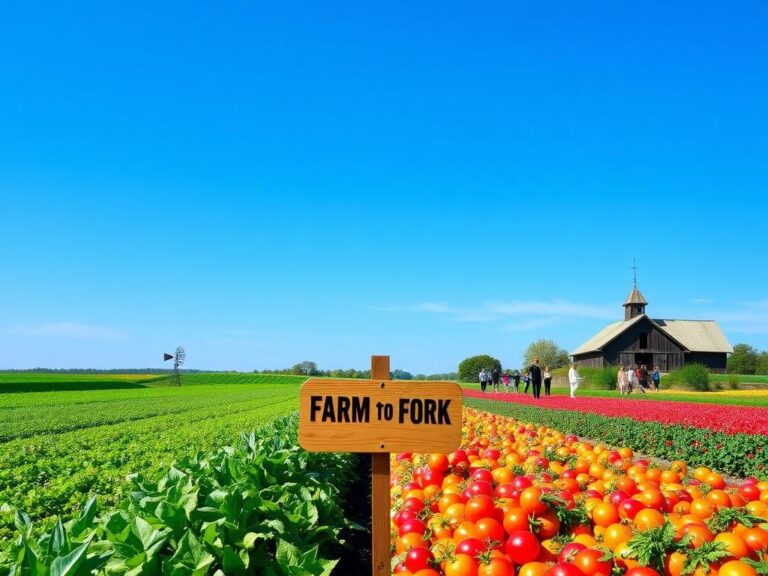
57	448
154	457
755	397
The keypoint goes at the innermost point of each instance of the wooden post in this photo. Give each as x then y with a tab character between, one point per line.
380	558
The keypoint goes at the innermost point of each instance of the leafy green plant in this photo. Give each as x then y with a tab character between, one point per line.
263	506
691	377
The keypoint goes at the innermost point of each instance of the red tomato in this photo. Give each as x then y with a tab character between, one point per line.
563	569
471	547
522	547
588	561
570	550
641	571
418	559
412	525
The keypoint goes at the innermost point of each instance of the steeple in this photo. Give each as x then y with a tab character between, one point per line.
636	302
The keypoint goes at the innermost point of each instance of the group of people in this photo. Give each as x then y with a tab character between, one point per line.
638	375
534	377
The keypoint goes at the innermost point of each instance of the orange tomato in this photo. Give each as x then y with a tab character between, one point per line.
648	518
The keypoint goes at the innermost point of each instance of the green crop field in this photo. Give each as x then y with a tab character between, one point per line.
58	448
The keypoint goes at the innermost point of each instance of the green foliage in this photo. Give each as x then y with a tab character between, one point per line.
113	434
762	363
599	378
697	446
264	506
650	547
690	377
470	367
548	353
743	360
733	381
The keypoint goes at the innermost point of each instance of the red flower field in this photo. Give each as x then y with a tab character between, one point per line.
728	419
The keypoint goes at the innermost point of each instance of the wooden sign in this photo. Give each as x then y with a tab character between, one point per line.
379	416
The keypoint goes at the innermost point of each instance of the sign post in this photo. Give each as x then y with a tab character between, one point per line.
380	489
379	416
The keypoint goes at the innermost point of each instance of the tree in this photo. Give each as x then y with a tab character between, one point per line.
548	353
398	374
306	368
470	367
762	363
743	360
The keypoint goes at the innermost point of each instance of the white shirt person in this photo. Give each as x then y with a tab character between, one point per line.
573	379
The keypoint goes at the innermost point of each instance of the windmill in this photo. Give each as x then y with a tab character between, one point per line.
178	360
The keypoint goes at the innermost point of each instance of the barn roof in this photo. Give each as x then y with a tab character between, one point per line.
606	335
695	335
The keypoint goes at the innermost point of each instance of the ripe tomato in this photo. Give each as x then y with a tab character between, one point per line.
546	526
605	514
641	571
515	519
563	569
496	567
588	561
522	547
568	551
530	501
736	568
480	506
490	529
471	547
418	559
460	565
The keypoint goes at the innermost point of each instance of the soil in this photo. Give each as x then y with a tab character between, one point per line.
355	556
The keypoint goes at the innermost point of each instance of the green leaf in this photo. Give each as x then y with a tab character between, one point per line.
287	554
58	545
67	565
701	557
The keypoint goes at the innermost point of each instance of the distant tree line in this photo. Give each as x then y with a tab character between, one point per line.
309	368
105	370
747	360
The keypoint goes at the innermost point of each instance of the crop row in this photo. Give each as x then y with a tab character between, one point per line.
729	419
50	476
55	414
523	499
736	454
264	506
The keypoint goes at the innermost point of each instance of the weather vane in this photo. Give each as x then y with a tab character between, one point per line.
178	360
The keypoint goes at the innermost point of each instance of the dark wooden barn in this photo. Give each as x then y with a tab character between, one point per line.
640	339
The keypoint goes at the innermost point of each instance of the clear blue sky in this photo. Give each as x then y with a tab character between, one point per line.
269	182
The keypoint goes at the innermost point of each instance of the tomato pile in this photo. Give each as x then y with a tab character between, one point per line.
527	500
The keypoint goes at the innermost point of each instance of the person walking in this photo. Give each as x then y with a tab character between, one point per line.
573	379
483	380
527	380
495	376
535	371
622	381
634	381
505	381
547	381
656	378
516	380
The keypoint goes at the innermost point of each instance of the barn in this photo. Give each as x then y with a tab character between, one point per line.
668	344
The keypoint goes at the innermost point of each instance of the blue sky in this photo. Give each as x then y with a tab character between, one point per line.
269	182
